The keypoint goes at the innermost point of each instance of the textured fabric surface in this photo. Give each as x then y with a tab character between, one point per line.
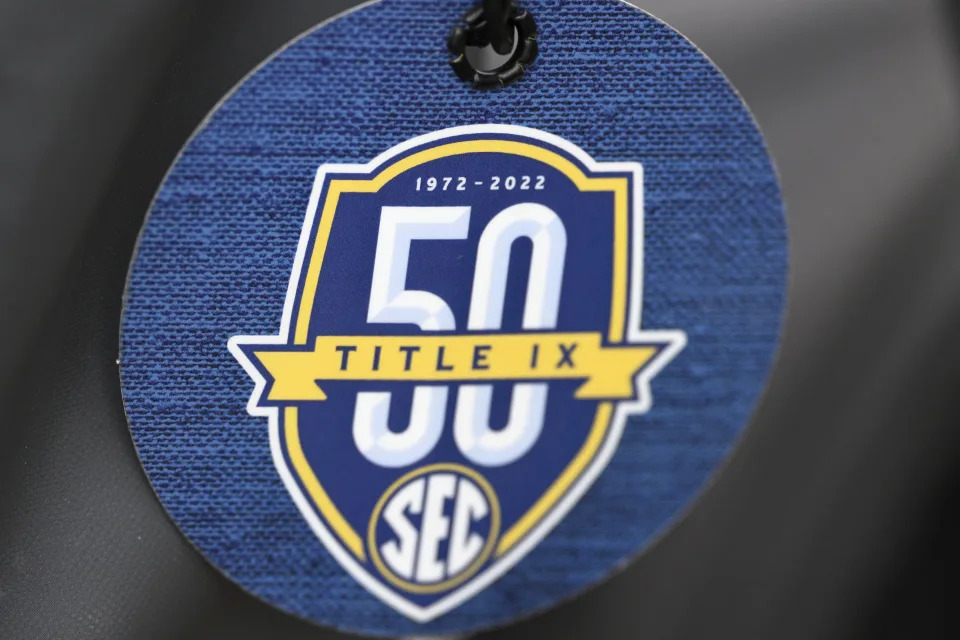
215	257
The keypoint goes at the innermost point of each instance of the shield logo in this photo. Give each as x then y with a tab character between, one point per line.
459	351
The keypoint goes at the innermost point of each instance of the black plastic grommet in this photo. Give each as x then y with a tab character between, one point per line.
474	33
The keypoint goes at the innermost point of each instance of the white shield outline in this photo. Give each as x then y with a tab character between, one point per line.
675	341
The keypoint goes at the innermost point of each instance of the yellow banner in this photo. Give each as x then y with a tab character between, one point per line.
608	371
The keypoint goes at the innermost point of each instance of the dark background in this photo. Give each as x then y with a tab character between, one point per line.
833	518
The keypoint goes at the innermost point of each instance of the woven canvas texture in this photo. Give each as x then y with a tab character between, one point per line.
215	256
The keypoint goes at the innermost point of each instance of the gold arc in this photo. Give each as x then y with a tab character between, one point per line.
601	423
464	575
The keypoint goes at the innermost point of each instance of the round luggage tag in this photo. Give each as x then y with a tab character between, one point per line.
426	334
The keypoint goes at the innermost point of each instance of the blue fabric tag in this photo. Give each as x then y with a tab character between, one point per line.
403	357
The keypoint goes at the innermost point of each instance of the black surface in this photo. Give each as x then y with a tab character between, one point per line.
832	520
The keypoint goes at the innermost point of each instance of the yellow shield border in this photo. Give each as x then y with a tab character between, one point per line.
344	543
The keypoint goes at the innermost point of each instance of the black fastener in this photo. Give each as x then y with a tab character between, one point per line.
494	23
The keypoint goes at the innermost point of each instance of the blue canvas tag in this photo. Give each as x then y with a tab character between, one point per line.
405	357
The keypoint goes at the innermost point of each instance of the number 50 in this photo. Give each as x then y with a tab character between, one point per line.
391	302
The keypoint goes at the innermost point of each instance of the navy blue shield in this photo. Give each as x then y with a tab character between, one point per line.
460	348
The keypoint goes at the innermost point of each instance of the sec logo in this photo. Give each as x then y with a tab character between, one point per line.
460	349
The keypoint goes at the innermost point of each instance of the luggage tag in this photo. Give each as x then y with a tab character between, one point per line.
440	319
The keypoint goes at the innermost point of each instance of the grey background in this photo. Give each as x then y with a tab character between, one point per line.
830	521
